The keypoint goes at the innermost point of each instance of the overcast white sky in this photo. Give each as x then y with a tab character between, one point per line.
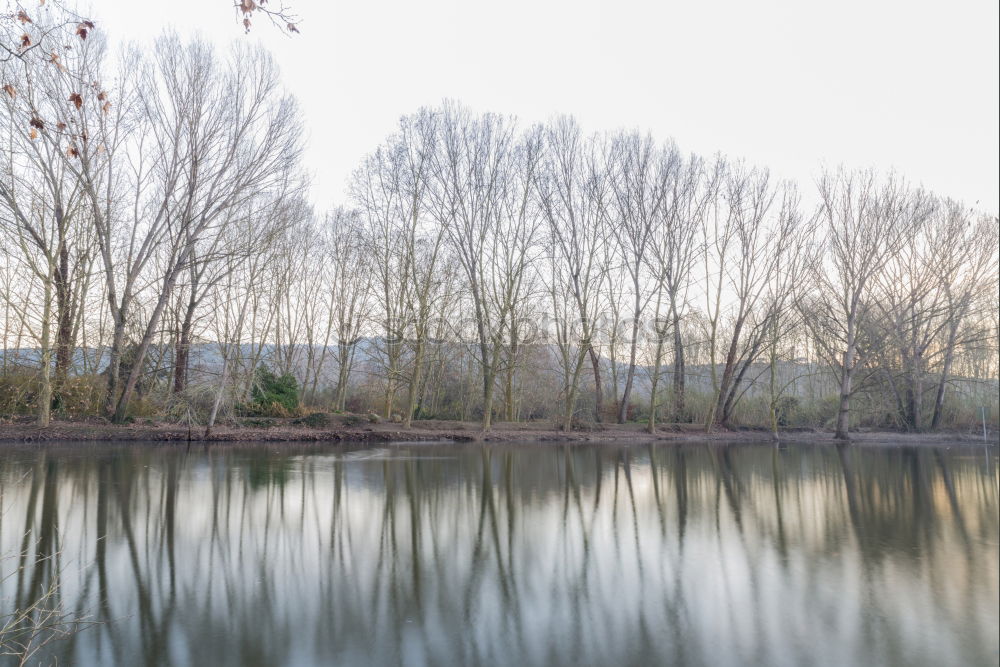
789	84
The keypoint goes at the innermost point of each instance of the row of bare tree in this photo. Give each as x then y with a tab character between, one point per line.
621	243
137	193
153	216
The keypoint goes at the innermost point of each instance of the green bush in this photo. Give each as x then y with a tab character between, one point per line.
274	395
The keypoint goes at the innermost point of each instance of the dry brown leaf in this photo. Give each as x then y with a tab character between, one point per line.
37	122
76	100
54	59
9	89
107	107
25	41
292	28
23	18
33	134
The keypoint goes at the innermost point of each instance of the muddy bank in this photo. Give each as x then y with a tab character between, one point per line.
437	431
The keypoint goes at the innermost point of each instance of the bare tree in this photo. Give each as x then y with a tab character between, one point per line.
391	193
203	139
40	201
867	222
482	196
571	190
671	259
923	298
745	246
637	172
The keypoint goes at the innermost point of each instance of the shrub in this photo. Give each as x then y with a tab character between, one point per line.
351	420
18	393
786	407
273	395
315	420
81	395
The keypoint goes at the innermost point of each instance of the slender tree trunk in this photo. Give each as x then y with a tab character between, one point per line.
846	375
949	354
510	413
344	354
64	322
713	371
488	381
773	387
733	392
654	387
916	391
182	349
218	397
147	339
595	362
45	361
679	406
390	398
508	395
719	414
115	361
569	404
392	381
626	394
412	392
613	360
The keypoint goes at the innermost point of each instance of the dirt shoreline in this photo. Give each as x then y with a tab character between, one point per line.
440	431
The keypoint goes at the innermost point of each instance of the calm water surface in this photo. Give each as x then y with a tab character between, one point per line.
508	555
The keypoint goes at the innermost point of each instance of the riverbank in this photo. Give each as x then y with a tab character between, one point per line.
348	430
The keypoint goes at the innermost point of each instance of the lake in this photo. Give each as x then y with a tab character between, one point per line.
526	554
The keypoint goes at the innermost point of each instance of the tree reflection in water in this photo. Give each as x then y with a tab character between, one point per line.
519	555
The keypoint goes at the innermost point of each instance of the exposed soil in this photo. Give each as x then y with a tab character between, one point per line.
355	428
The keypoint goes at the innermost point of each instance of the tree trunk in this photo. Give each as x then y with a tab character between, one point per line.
843	411
949	354
568	408
182	348
595	362
772	388
487	401
64	322
218	397
412	391
344	354
651	420
916	391
115	361
508	395
147	339
45	361
390	397
626	394
679	407
719	415
655	382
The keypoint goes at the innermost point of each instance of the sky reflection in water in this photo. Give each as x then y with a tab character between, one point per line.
510	555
